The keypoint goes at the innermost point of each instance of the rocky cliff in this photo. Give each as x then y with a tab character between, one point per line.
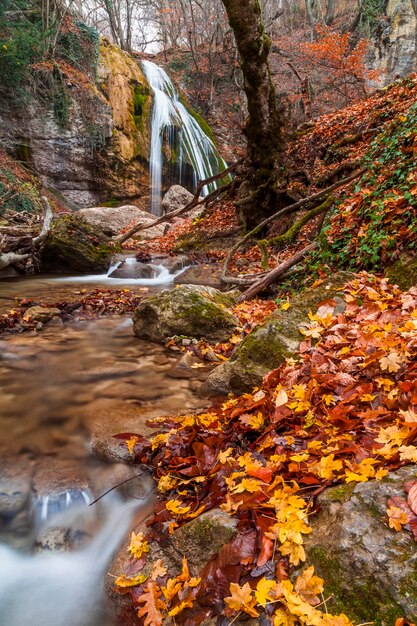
81	122
394	40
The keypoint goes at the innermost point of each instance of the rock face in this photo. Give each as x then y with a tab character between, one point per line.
394	43
185	310
267	346
175	198
75	246
113	219
369	569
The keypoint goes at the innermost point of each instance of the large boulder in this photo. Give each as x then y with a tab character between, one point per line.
135	269
175	198
370	570
187	310
114	219
278	338
73	245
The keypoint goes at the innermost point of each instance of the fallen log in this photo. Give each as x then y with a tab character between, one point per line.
274	274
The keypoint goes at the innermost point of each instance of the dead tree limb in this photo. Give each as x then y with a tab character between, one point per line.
292	208
47	221
195	202
274	274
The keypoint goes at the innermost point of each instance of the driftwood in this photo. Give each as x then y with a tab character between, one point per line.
274	274
195	202
292	208
21	245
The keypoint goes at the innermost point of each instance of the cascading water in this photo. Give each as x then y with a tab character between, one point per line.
186	141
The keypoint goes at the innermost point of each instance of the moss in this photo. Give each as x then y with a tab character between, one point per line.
360	600
403	272
140	98
340	493
207	534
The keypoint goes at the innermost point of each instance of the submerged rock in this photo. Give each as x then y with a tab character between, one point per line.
176	198
114	219
73	245
279	337
369	569
41	314
186	310
133	270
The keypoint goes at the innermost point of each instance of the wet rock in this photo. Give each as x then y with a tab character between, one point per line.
41	314
279	337
187	310
176	198
134	270
200	275
73	245
370	570
15	484
112	220
172	263
197	540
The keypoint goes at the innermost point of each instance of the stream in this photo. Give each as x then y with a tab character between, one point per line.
65	392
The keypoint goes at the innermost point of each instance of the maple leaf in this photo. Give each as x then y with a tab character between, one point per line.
176	507
137	546
247	484
408	453
242	599
158	569
294	551
327	467
224	456
308	586
253	421
392	362
263	592
396	518
167	483
283	618
130	443
153	605
409	416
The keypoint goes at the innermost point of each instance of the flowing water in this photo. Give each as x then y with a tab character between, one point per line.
65	392
174	128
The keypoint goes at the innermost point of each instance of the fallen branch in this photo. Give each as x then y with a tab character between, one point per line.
47	221
291	208
11	258
195	202
272	276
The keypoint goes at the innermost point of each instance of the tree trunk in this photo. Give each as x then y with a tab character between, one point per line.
264	126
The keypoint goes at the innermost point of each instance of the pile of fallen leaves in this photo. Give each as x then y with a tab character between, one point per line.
85	306
344	411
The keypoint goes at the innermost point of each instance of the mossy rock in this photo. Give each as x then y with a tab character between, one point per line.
278	338
403	272
186	310
73	245
370	570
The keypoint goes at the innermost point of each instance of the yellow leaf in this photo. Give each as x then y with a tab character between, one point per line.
308	586
242	599
166	483
282	398
396	518
224	456
158	569
392	362
130	581
131	444
137	546
263	591
327	467
176	507
408	453
247	484
283	618
294	551
409	416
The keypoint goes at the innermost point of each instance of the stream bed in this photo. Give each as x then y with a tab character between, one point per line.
65	391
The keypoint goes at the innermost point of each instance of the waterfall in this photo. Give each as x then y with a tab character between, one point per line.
187	143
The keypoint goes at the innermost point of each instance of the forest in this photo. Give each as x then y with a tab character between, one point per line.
208	312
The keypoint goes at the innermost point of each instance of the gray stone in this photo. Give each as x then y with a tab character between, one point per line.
370	570
134	270
113	219
278	338
176	198
200	275
186	310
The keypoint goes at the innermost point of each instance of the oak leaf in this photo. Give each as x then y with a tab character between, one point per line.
138	546
152	605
